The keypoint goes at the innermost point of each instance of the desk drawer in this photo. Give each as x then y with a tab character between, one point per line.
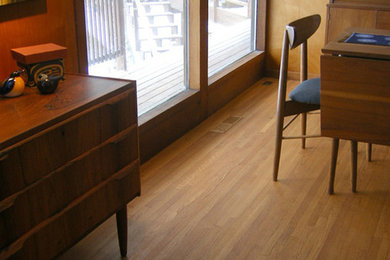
75	221
49	195
355	99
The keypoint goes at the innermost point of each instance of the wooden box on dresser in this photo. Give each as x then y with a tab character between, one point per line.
68	161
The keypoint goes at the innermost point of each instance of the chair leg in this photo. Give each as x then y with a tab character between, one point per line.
278	145
369	149
354	147
303	126
335	150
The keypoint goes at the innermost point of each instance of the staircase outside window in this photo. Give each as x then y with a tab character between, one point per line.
145	40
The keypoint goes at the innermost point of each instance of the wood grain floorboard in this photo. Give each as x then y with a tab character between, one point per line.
211	196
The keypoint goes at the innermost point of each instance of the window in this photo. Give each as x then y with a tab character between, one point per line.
231	28
140	40
146	40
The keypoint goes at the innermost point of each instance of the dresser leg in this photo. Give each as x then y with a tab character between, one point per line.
121	223
335	151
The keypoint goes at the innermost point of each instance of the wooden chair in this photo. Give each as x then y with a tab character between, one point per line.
306	96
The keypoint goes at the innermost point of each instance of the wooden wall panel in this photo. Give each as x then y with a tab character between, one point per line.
224	89
56	24
342	18
352	14
282	12
383	20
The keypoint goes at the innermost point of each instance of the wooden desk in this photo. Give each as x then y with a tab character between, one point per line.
68	161
355	89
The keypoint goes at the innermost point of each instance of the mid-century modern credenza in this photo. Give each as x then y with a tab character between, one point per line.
68	161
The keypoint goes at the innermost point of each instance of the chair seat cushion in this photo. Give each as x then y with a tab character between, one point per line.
307	92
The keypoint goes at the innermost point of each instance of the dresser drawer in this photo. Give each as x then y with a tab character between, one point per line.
11	174
63	143
118	114
39	156
49	195
76	220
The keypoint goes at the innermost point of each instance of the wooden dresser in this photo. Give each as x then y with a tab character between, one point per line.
68	161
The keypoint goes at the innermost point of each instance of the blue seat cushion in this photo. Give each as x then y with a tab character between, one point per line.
307	92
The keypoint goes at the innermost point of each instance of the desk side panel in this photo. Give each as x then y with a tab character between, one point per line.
355	99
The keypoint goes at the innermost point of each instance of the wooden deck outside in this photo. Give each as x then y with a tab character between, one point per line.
162	77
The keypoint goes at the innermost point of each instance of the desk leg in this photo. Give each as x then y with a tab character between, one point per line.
354	147
121	223
335	150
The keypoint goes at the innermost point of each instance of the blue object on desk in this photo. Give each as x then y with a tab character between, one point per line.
373	39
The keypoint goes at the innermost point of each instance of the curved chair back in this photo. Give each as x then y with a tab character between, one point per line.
295	34
300	30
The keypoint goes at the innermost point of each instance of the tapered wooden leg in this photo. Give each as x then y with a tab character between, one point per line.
303	128
369	149
335	150
278	145
121	223
354	164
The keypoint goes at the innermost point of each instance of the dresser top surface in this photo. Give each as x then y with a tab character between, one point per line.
32	112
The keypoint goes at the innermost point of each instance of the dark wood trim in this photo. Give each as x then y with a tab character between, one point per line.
261	25
169	104
198	46
223	90
164	128
81	41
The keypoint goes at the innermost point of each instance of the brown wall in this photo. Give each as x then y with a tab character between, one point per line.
37	22
282	12
344	15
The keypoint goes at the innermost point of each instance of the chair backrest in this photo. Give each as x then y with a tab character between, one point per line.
295	34
301	30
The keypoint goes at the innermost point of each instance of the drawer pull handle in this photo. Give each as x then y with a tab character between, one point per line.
7	203
3	156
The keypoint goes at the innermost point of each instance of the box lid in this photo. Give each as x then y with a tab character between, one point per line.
38	53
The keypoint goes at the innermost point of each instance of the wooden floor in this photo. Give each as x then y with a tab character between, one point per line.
210	195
